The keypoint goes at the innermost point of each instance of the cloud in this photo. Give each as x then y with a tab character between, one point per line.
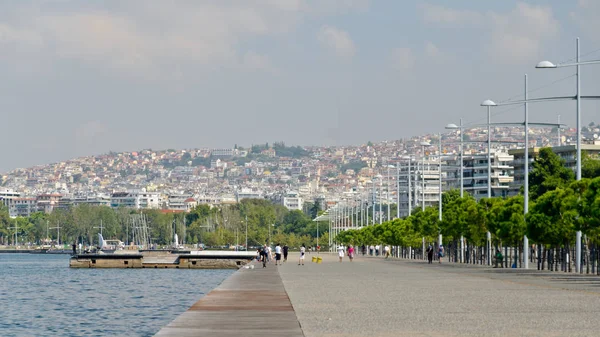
337	40
402	59
514	37
431	50
519	35
134	38
586	17
254	61
441	14
89	132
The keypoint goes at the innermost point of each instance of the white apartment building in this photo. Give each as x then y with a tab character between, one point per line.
424	189
292	201
7	194
181	202
246	193
138	199
475	174
22	207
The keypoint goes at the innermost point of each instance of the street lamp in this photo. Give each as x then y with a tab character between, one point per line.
423	145
409	183
387	194
577	64
489	104
526	125
460	130
440	180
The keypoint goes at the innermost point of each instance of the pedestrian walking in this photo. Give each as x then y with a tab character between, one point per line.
386	249
285	252
269	253
430	254
351	253
364	250
441	253
302	253
277	254
264	253
341	252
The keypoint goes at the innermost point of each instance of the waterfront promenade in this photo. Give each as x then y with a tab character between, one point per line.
377	297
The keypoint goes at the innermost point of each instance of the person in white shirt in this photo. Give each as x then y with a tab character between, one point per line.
341	252
278	255
302	253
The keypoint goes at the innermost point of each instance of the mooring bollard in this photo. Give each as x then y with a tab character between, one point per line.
319	259
314	259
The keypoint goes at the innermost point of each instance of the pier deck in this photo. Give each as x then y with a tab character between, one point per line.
252	302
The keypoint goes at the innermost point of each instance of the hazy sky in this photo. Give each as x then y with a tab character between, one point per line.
85	77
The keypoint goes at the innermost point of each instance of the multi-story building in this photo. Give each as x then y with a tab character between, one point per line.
7	194
292	201
245	193
181	202
475	174
222	153
138	199
23	207
48	201
424	178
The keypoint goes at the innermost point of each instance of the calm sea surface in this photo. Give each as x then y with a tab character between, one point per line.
41	296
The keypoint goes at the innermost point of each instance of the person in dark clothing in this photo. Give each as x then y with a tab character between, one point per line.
74	249
263	254
285	252
430	254
364	250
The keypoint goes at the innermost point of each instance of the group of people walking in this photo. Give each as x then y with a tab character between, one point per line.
265	254
430	251
342	251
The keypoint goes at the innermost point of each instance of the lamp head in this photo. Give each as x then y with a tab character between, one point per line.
488	102
425	144
451	126
546	64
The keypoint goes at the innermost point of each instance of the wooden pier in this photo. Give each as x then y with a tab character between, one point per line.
163	259
251	302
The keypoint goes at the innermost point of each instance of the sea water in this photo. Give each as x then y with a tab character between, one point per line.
41	296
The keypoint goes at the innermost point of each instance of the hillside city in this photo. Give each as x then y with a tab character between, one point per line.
179	180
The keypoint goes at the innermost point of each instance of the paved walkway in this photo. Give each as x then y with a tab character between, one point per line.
251	302
375	297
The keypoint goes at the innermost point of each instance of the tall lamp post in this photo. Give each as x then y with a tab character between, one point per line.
440	181
460	130
489	104
409	183
423	145
440	191
387	194
577	64
398	190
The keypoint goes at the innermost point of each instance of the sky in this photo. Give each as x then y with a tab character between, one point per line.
80	78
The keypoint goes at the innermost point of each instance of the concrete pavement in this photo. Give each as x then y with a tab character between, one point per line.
376	297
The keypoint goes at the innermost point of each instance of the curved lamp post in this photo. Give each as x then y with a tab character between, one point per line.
577	64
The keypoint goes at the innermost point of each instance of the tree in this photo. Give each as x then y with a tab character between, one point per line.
554	217
510	224
548	173
458	214
590	166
